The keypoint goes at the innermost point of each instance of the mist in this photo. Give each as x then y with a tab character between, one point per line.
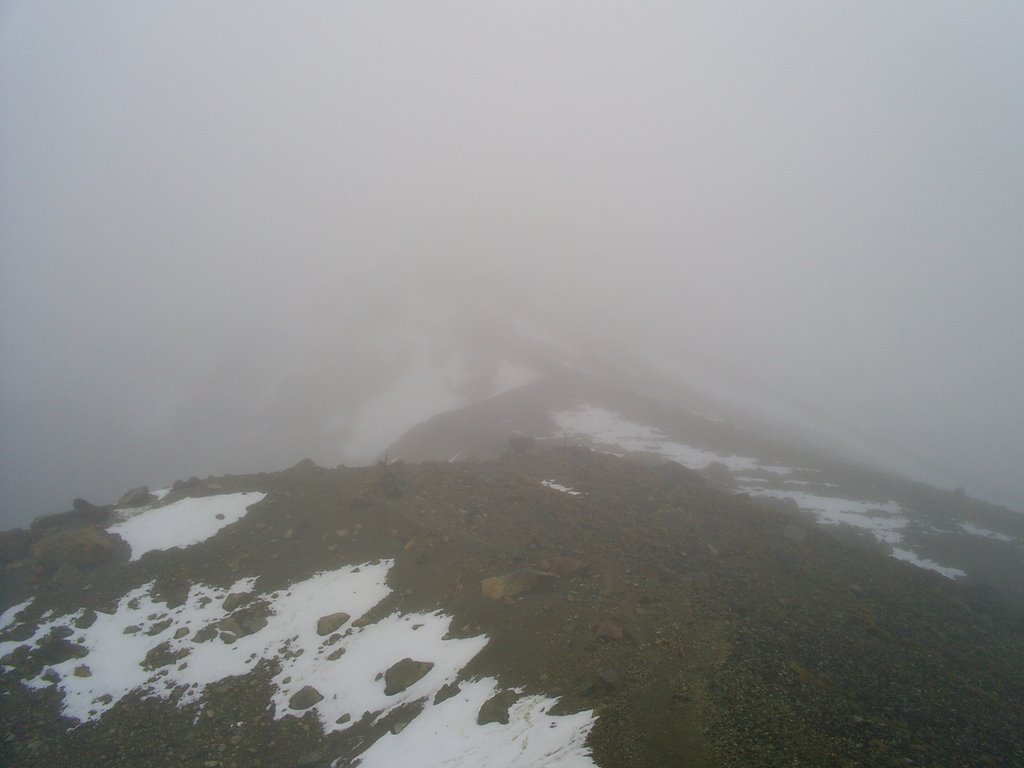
220	221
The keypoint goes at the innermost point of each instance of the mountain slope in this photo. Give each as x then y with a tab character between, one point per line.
675	625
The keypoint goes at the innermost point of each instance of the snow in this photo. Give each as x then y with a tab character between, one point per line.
974	530
886	521
183	523
446	735
116	646
9	616
906	555
558	487
610	429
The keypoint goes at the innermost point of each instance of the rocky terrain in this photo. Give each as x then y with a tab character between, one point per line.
552	606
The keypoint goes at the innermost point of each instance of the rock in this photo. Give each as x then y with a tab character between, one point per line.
403	674
82	671
232	601
305	698
719	475
608	630
90	513
136	497
84	547
516	583
331	623
15	544
67	577
86	620
563	566
310	760
495	709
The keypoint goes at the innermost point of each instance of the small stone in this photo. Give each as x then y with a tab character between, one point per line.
608	630
83	671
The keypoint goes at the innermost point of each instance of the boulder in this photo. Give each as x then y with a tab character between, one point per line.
563	566
90	513
136	497
331	623
495	709
83	548
403	674
516	583
305	698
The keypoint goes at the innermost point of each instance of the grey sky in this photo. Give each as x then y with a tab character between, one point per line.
814	204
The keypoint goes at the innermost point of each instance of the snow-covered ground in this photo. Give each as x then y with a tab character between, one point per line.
183	523
612	432
887	521
559	487
975	530
330	663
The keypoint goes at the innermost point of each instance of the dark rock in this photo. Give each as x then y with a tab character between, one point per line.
136	497
232	601
16	544
563	566
516	583
84	547
403	674
495	709
305	698
328	624
67	576
608	630
90	513
86	620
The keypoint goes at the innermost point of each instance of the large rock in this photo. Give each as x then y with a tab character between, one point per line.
305	698
332	623
136	497
82	548
516	583
403	674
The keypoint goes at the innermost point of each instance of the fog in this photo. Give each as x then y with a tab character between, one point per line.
220	213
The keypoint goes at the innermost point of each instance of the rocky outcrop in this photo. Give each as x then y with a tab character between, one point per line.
516	583
82	548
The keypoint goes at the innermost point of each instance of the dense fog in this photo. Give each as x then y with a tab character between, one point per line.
224	226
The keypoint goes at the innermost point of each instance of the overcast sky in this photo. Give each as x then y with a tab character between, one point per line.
816	204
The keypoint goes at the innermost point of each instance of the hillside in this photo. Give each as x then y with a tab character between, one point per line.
553	606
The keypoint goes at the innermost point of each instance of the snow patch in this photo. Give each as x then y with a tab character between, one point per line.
974	530
907	556
183	523
446	735
558	487
610	429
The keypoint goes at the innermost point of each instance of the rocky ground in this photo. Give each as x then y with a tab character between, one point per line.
703	629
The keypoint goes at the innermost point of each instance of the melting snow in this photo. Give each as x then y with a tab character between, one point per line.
906	555
446	735
886	521
557	487
988	534
184	522
610	429
345	667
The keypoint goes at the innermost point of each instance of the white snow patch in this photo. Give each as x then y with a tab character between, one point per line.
9	616
352	684
446	735
558	487
610	429
974	530
183	523
885	520
161	493
906	555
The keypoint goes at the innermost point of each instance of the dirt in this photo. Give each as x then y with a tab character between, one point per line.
698	628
